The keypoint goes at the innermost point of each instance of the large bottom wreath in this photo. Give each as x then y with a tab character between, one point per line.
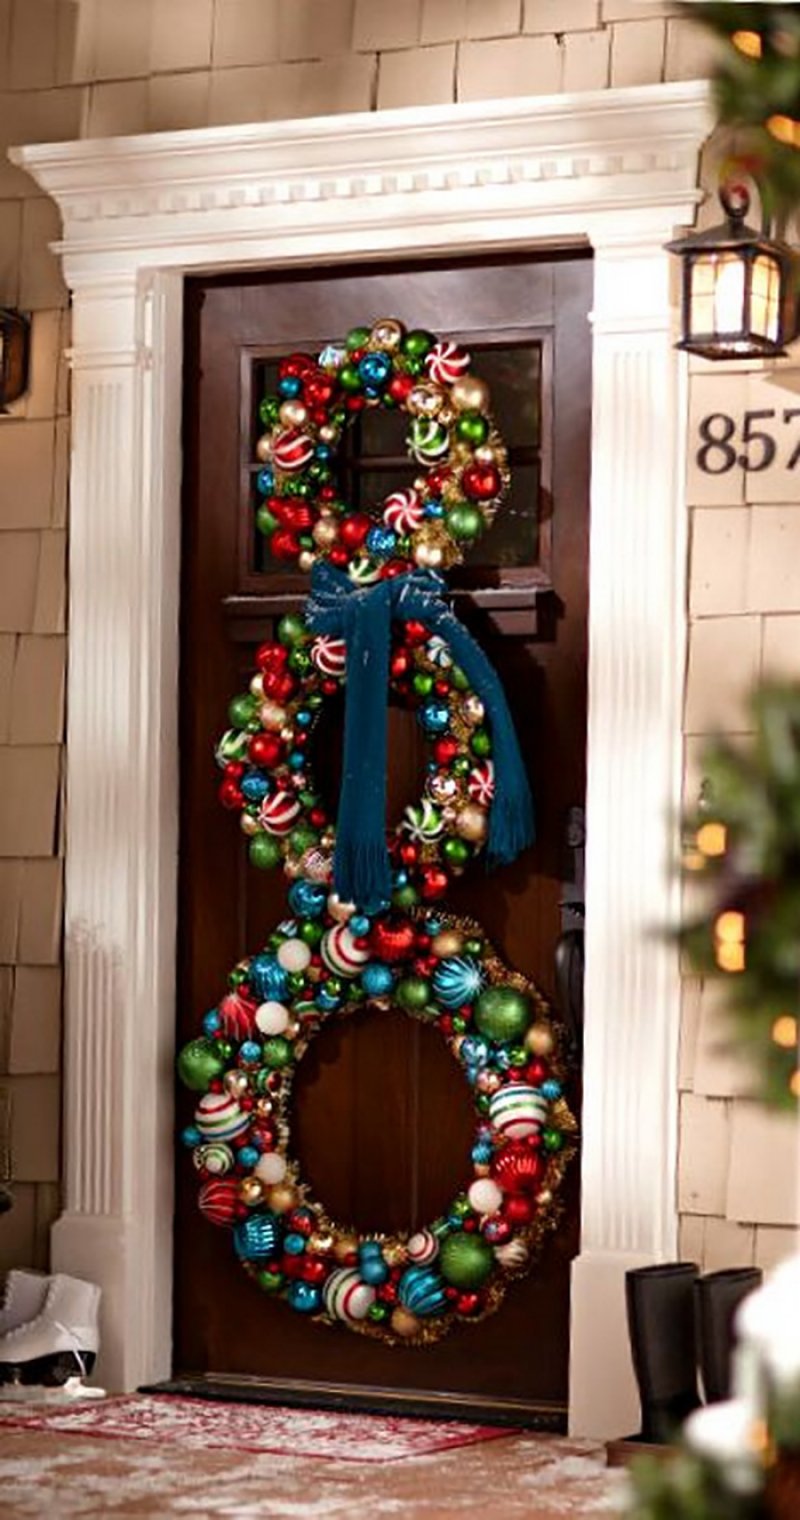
323	963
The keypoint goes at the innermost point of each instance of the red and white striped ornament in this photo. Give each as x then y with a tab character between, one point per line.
346	1296
237	1014
403	511
341	954
292	452
480	783
447	363
422	1248
218	1200
219	1117
278	813
330	656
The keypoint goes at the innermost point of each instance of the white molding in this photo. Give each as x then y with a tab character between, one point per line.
614	169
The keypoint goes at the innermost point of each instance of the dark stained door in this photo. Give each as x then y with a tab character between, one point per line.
382	1116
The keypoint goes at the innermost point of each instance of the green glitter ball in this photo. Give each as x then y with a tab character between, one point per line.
242	710
265	522
358	337
552	1139
264	851
413	993
472	428
277	1052
199	1063
502	1013
416	344
481	744
292	629
465	1260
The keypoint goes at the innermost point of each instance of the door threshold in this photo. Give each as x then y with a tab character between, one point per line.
549	1418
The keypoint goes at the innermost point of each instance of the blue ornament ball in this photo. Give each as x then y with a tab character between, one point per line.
372	1268
474	1050
359	925
290	386
211	1022
191	1137
254	786
377	979
257	1237
551	1089
422	1291
434	717
248	1155
250	1052
304	1297
265	481
381	542
375	369
294	1244
307	899
267	979
457	980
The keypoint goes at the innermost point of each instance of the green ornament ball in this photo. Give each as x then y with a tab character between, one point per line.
413	993
473	947
349	378
461	766
241	710
423	683
405	897
458	678
295	981
292	629
358	337
552	1139
472	428
481	744
277	1052
271	1282
417	343
300	662
264	852
502	1013
311	932
301	839
265	522
465	1261
456	852
268	411
378	1313
199	1063
225	1048
464	522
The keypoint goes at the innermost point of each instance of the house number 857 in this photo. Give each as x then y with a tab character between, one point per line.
753	447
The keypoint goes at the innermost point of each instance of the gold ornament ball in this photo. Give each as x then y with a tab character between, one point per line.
320	1243
306	561
448	942
327	434
257	686
272	716
539	1040
387	333
485	454
345	1246
264	1107
425	400
469	394
251	1191
293	414
340	911
325	532
473	710
235	1083
395	1254
545	1196
264	448
471	823
249	825
404	1323
282	1198
428	556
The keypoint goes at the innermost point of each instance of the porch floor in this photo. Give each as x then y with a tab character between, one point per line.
538	1477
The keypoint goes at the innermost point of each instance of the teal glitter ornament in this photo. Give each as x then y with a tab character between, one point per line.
422	1292
257	1238
458	980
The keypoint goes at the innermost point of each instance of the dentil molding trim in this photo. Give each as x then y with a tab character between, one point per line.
615	170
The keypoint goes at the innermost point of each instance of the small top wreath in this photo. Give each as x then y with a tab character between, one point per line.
451	436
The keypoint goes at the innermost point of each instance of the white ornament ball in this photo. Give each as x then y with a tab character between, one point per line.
513	1255
273	1018
340	911
270	1168
294	955
485	1197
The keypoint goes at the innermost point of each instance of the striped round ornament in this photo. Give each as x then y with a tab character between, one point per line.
292	452
403	511
447	363
518	1111
219	1117
218	1201
346	1296
330	656
215	1158
278	813
340	952
422	1248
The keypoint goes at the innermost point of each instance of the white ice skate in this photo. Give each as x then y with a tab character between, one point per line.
58	1337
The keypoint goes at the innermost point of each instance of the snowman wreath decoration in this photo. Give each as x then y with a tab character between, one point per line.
366	922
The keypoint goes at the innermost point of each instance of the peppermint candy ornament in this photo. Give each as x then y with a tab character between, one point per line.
447	363
480	783
278	813
341	954
403	511
330	656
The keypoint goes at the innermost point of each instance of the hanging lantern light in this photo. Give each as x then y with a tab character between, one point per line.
740	288
14	336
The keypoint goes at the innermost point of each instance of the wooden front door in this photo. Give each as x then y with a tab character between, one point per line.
385	1152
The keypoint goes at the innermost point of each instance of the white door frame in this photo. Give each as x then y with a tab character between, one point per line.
614	169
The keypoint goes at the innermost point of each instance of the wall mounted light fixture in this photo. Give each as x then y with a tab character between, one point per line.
739	287
14	350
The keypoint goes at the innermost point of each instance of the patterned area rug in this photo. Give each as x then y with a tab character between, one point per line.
77	1477
196	1424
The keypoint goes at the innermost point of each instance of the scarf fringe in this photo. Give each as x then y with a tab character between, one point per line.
361	872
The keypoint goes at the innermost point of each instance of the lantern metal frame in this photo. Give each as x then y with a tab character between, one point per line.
14	356
729	243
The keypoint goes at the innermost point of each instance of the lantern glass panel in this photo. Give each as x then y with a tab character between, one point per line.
717	294
765	300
